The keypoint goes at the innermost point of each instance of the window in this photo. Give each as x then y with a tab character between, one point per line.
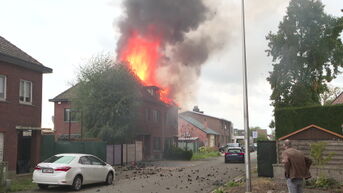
25	91
156	116
59	159
157	143
70	115
147	117
2	87
84	161
95	161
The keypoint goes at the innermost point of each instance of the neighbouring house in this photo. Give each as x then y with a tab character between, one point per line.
157	121
20	107
190	128
338	100
222	128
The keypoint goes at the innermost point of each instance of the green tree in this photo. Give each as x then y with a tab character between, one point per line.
107	96
306	52
261	136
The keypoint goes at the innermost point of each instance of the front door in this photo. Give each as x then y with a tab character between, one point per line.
24	151
146	147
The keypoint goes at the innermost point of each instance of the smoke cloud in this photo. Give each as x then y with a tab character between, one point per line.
191	30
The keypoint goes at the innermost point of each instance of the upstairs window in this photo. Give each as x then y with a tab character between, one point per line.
25	91
147	116
156	116
2	87
70	115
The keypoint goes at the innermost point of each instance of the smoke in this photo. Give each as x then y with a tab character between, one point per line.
191	30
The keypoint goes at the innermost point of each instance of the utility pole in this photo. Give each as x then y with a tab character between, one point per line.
246	112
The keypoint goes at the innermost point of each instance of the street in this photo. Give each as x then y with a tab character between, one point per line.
168	177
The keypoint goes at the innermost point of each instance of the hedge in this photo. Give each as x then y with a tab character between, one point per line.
288	120
176	153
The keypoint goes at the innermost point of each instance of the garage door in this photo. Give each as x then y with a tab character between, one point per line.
1	146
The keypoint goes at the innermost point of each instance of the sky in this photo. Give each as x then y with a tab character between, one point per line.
65	34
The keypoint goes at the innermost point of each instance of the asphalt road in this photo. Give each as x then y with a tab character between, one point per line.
168	177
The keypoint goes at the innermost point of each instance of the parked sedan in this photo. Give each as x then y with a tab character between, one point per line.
234	154
73	170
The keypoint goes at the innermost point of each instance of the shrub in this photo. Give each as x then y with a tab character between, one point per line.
204	149
176	153
322	182
317	153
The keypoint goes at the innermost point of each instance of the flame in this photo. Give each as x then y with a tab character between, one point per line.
142	55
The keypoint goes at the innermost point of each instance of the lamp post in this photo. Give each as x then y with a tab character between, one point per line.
245	107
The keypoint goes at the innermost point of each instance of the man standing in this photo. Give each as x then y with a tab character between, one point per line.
297	167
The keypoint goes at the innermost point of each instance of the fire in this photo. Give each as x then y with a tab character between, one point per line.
142	55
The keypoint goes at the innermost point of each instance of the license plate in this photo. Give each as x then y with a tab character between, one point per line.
47	170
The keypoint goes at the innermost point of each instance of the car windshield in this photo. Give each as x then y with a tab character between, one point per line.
234	151
59	159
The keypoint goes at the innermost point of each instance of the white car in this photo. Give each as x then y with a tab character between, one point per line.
72	169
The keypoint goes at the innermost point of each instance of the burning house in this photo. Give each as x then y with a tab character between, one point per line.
156	121
165	44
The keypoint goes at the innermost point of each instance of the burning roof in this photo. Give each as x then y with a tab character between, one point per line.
155	44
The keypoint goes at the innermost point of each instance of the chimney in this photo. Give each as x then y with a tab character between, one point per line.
196	109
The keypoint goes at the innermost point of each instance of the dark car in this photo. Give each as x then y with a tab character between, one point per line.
234	154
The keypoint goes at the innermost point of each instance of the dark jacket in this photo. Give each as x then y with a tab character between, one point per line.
296	164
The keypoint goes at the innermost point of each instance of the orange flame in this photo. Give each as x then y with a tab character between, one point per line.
142	55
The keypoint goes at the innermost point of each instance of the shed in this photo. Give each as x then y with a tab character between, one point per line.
313	132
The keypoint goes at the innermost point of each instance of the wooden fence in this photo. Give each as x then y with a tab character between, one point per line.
335	147
124	153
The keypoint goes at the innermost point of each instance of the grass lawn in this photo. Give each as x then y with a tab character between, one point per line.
21	183
203	155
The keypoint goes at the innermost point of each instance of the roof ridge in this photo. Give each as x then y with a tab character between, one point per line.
32	60
193	121
308	127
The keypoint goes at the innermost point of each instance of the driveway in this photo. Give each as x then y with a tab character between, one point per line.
168	177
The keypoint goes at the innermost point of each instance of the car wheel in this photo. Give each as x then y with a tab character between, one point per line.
43	186
226	161
77	183
109	178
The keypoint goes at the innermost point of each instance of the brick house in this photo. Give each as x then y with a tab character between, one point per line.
190	128
222	127
20	107
157	121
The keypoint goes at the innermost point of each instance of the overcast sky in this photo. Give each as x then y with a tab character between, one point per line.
64	34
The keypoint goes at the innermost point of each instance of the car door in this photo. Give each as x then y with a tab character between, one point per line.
86	170
99	170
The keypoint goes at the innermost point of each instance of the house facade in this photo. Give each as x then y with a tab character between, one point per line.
20	107
191	128
156	121
223	128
